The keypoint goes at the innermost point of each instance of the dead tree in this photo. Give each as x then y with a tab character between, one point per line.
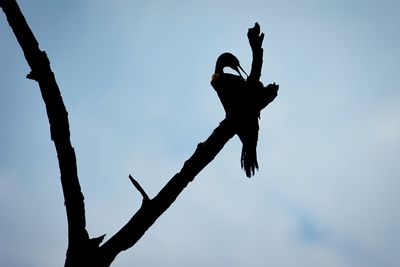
84	250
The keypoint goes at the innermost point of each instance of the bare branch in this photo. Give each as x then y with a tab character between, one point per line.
59	126
83	251
256	39
140	189
144	218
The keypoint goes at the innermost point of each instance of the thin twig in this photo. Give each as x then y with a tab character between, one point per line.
140	189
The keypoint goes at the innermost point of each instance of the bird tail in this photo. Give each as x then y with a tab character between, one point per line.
248	160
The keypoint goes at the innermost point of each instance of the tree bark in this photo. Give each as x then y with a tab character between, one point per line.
83	251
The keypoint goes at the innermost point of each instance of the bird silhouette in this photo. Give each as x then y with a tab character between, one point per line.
239	99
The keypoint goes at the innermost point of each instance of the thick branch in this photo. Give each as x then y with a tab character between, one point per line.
79	243
58	119
144	218
148	214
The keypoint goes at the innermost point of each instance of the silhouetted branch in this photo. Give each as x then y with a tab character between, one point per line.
144	218
256	39
83	251
140	189
59	126
148	214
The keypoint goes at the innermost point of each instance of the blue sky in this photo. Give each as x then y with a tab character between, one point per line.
135	79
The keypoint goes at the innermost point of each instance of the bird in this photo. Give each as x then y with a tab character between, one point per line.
239	100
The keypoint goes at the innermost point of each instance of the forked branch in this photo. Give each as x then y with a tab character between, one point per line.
83	251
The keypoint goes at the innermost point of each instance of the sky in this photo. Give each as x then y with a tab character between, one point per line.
134	76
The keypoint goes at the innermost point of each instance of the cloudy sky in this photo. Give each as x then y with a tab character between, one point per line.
135	76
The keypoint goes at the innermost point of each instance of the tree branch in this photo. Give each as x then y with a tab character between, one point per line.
256	39
59	125
140	189
83	251
144	218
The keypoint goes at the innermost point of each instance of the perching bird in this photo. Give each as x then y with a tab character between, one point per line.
240	101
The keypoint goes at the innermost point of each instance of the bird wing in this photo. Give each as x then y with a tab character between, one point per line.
228	88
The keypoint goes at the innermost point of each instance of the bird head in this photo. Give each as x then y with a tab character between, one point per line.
228	60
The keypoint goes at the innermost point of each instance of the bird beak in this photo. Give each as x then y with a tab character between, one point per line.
240	67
